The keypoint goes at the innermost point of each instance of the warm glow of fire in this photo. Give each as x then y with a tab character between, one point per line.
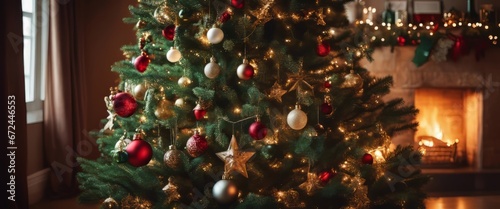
429	125
449	124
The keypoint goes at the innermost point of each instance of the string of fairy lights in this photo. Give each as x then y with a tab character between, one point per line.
384	31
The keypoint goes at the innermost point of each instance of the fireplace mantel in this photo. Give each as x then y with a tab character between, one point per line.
482	75
465	73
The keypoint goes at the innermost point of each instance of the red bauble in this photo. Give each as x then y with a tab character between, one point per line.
196	145
323	49
199	112
249	71
367	159
326	108
401	40
327	84
257	130
139	152
325	176
238	4
141	63
124	104
224	17
169	32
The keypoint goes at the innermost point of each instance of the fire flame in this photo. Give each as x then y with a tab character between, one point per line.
429	125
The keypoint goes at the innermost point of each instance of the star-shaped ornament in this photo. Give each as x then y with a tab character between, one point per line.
320	17
277	92
298	79
172	192
263	14
311	184
234	159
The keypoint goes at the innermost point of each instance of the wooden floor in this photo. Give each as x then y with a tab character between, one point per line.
471	202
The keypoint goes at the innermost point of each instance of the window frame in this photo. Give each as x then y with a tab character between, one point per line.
39	46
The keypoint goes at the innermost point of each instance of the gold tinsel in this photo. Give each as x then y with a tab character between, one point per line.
263	13
133	202
360	199
289	198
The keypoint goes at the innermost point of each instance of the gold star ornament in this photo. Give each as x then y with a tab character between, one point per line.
234	159
277	92
311	184
171	190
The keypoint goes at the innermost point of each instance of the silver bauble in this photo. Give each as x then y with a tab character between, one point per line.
225	191
297	119
212	69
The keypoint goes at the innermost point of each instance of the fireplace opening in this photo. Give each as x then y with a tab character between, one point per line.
449	129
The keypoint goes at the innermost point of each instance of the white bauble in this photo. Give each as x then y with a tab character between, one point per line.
225	191
184	81
124	145
179	102
212	69
297	119
173	55
215	35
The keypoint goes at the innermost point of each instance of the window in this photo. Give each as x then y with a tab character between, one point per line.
35	36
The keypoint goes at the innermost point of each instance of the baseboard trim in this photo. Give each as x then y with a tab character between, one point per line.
36	185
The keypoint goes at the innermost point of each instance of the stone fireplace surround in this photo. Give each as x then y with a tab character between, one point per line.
482	75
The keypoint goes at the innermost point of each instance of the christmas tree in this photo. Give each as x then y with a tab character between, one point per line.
250	104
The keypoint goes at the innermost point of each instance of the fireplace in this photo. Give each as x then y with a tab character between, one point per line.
479	145
449	126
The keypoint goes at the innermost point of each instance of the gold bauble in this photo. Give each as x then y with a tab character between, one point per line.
184	81
353	80
164	110
140	91
161	14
